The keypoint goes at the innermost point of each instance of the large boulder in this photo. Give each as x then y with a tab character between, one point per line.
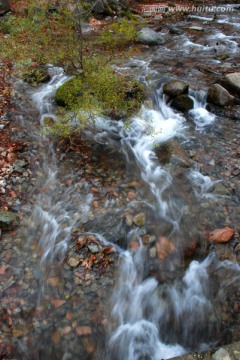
175	87
4	7
232	83
219	96
150	37
182	103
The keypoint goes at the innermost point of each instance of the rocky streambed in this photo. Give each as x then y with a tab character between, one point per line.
112	258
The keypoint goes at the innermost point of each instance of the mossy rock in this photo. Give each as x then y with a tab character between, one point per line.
8	219
69	93
37	76
122	98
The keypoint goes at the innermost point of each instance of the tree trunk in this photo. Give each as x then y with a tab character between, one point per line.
4	7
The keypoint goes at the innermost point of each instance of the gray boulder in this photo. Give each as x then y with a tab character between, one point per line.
150	37
182	103
219	96
175	87
232	82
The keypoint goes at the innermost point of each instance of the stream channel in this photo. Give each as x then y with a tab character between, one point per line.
111	260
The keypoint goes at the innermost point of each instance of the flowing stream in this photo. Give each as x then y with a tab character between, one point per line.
156	302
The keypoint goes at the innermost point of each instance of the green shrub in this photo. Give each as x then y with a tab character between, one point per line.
100	90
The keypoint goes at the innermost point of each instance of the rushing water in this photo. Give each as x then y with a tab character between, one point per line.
161	305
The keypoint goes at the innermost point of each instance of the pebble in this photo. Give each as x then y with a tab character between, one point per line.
73	262
83	330
94	248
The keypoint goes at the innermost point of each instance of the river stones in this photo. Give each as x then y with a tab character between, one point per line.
175	87
232	82
219	96
150	37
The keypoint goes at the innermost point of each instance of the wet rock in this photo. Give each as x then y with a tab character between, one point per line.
221	354
129	219
94	248
152	252
57	303
221	235
222	56
196	28
220	189
139	219
163	152
182	103
48	121
175	31
83	330
164	247
7	219
73	261
175	87
132	195
232	82
150	37
219	96
225	253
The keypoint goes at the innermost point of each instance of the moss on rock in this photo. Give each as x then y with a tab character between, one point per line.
105	92
36	76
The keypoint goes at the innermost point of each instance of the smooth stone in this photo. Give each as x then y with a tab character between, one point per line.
218	95
150	37
175	87
232	82
221	354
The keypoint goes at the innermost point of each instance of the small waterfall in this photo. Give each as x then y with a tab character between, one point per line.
201	116
57	209
202	184
152	128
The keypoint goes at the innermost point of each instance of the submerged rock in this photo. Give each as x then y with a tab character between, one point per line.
182	103
7	219
175	87
164	247
139	219
150	37
175	31
219	96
